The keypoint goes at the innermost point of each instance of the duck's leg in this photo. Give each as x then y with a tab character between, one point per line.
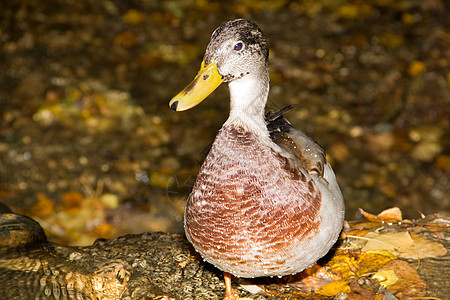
230	294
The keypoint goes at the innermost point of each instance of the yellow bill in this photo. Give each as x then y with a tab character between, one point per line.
206	81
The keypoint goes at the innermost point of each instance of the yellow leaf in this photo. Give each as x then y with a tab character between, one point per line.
404	245
334	288
159	179
416	68
408	282
393	214
343	265
390	39
72	199
393	242
442	162
103	230
133	17
372	261
348	11
347	266
384	253
386	277
409	19
110	200
126	39
423	248
44	206
354	11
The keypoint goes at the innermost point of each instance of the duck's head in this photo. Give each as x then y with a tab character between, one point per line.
237	51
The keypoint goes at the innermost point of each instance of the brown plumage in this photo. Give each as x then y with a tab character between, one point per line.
236	215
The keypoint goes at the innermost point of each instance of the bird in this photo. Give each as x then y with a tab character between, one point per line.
266	201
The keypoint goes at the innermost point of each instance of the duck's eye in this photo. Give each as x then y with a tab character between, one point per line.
238	46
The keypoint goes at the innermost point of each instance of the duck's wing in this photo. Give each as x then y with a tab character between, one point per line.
303	152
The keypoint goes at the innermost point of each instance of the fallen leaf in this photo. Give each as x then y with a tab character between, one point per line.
442	162
390	39
358	232
340	151
110	200
5	193
409	283
423	248
360	293
133	17
416	68
404	245
354	11
354	265
71	202
334	288
126	39
394	242
386	277
372	261
312	278
408	18
103	230
43	207
393	214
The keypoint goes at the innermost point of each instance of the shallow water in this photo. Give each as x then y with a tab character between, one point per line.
85	86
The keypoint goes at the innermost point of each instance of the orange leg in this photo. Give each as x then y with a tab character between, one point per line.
230	294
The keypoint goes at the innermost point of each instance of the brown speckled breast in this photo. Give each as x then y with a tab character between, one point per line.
249	212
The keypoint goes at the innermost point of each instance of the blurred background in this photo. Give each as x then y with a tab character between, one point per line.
89	147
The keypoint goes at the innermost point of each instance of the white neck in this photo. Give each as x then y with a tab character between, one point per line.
248	97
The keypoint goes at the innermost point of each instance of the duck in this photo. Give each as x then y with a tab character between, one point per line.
265	201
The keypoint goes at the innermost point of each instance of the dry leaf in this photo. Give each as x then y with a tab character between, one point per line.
423	248
126	39
349	266
312	278
360	293
358	232
110	200
334	288
416	68
103	230
71	202
372	261
386	277
71	199
43	207
393	214
403	245
409	283
133	17
442	162
394	242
